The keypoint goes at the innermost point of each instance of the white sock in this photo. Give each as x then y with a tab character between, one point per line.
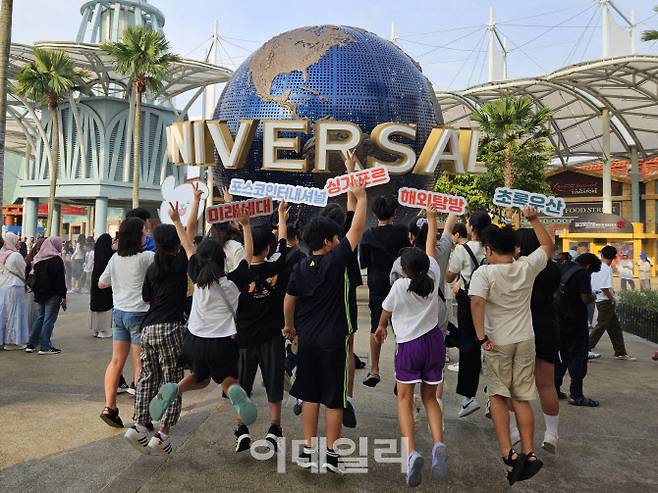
512	421
551	423
163	436
141	428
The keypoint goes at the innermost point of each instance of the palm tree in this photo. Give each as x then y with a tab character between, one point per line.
5	44
144	56
47	81
652	34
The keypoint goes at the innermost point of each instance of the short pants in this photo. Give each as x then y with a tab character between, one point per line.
509	370
321	376
422	359
215	357
270	357
127	326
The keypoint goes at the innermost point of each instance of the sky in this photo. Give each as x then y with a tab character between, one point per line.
447	37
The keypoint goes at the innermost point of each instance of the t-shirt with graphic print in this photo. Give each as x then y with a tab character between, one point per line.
260	309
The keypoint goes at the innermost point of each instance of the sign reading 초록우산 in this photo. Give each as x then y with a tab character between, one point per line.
421	199
368	177
295	194
231	211
510	197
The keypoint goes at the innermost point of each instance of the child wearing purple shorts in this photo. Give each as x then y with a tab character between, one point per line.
413	304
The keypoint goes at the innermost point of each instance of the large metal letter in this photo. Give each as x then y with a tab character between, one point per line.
381	137
272	144
232	154
324	145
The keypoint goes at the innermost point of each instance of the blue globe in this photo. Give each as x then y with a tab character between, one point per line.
335	72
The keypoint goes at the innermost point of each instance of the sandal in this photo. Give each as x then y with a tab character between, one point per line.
517	466
111	417
371	380
531	467
583	402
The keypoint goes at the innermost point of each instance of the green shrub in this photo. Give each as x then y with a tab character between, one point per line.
641	299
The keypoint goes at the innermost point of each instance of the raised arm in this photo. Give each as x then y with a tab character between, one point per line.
350	164
248	240
185	240
430	244
284	210
545	240
194	212
359	222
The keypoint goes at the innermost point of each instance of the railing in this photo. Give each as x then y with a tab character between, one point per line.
640	321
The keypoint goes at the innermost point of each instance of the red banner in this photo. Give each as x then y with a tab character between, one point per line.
233	210
69	210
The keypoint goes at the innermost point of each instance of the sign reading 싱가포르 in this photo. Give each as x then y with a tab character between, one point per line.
370	177
421	199
510	197
232	211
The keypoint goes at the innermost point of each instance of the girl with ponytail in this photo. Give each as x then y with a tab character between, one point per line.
413	306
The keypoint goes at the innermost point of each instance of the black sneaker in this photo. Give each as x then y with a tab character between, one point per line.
333	463
349	418
29	348
52	350
307	459
122	388
297	408
273	435
242	439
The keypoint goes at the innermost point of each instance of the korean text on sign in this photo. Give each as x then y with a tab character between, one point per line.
370	177
233	210
510	197
295	194
421	199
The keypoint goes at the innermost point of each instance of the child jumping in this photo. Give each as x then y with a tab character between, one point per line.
210	348
413	304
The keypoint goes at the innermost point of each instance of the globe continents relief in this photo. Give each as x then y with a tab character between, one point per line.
328	72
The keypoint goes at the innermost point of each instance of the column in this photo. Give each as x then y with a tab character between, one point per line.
607	163
54	227
30	216
635	185
100	219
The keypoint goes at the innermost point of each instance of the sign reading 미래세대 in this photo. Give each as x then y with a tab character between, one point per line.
510	197
232	211
421	199
295	194
370	177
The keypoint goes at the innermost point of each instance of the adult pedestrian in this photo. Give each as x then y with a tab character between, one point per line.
49	289
625	270
100	300
77	262
13	311
644	266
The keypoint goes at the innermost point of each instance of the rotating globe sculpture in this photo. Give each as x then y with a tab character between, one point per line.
328	72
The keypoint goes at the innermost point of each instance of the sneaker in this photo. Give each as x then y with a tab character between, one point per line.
625	357
418	404
103	335
273	434
308	459
349	417
242	404
454	367
29	348
52	350
439	461
550	443
592	355
14	347
371	380
161	402
122	388
138	439
297	408
332	463
111	417
159	446
242	438
469	407
415	465
131	390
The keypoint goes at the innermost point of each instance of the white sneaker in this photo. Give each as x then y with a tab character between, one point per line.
550	443
103	335
625	357
454	367
157	446
469	407
138	439
593	355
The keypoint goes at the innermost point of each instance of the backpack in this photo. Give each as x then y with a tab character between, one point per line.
561	293
476	266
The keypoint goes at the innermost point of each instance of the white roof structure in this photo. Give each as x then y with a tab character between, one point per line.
577	95
186	75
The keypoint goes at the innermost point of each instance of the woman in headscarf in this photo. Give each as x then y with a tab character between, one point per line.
13	312
100	300
49	294
29	261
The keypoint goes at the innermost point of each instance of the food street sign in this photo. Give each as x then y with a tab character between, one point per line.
421	199
509	197
232	211
194	143
295	194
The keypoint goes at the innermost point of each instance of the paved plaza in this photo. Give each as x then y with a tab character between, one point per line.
53	440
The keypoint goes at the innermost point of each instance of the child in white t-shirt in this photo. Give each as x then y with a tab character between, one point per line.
413	304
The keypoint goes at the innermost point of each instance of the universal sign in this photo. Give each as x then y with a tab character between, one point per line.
193	142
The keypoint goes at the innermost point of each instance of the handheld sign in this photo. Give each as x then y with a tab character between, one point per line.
421	199
183	195
368	177
233	210
295	194
510	197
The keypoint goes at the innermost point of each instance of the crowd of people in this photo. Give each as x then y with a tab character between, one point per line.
269	295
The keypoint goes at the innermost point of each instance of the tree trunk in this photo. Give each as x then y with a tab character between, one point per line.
53	169
136	141
508	178
5	44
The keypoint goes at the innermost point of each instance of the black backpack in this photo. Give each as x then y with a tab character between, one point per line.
561	293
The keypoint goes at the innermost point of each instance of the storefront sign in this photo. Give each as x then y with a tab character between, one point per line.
295	194
600	223
572	184
232	211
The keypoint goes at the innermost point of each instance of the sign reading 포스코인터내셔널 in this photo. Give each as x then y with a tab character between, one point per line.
510	197
421	199
370	177
295	194
232	211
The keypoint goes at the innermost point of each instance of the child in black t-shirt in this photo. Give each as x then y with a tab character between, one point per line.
317	310
259	325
